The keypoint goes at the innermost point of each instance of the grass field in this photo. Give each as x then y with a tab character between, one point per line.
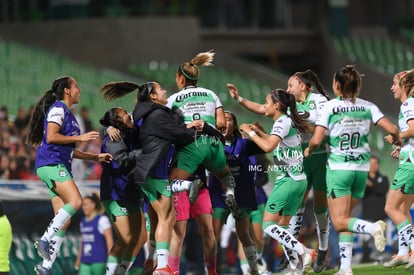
370	269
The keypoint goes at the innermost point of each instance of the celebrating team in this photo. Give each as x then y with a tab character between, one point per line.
161	151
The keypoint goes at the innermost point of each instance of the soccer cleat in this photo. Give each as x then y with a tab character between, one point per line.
378	235
344	272
410	263
40	270
233	207
261	265
194	189
43	249
163	271
320	264
308	259
290	271
397	261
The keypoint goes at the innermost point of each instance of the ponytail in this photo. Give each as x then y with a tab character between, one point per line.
349	80
118	89
36	123
190	69
111	118
309	78
288	102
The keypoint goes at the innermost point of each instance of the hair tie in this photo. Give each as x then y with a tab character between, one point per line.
185	74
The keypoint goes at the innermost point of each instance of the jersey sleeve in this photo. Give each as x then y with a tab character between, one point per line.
322	115
376	113
103	224
56	115
320	102
217	101
407	110
170	101
281	127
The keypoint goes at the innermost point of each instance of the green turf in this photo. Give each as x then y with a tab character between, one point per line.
370	269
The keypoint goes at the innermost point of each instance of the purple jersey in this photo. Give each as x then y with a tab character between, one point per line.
53	154
237	155
93	241
116	184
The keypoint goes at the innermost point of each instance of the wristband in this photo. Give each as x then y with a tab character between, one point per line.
240	99
252	133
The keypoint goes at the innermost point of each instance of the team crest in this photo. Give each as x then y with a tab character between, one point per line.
312	105
62	173
124	210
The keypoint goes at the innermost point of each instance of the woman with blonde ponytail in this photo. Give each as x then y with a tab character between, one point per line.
195	102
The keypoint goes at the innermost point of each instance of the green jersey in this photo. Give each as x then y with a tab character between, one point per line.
406	114
311	105
348	124
196	103
288	156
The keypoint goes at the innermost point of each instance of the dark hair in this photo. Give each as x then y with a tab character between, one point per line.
350	81
309	78
111	118
94	197
287	101
36	123
236	131
118	89
190	69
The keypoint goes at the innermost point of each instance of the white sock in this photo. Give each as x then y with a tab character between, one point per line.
146	252
226	231
110	268
162	257
322	229
54	246
61	217
245	268
285	238
292	256
407	234
295	223
362	226
402	245
180	185
345	252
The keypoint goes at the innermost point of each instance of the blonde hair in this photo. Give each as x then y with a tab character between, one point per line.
190	69
407	82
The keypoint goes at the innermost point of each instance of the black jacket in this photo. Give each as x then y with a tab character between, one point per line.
160	127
